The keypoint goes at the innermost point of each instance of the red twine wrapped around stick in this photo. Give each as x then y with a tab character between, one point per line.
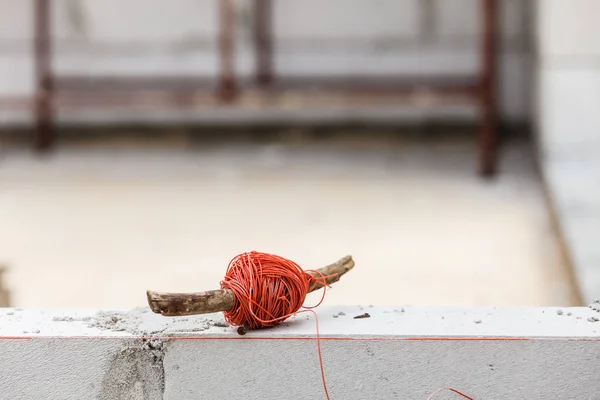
267	289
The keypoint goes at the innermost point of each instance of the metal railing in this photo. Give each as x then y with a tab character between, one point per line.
54	91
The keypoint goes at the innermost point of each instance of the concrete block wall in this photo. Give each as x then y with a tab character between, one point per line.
568	70
337	36
397	353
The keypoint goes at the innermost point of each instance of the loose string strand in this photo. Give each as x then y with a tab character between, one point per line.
319	352
450	390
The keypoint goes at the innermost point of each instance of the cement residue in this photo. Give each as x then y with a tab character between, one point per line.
70	319
395	310
142	322
136	373
119	321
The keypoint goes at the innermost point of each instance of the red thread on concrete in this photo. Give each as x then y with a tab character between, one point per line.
450	390
268	289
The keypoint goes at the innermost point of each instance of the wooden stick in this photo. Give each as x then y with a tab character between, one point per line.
212	301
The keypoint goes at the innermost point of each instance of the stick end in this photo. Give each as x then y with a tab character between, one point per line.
153	301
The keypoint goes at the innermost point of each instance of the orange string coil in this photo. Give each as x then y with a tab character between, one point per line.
267	289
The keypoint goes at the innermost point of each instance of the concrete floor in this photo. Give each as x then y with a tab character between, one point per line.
95	226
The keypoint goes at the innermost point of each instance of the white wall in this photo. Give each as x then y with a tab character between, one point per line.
568	69
337	36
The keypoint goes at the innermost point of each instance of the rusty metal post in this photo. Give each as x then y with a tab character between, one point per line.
43	113
488	136
228	87
263	41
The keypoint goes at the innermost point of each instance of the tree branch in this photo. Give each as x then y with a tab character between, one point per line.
212	301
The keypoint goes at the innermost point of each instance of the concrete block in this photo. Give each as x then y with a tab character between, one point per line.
346	19
148	20
588	277
568	28
16	78
55	368
69	19
404	353
568	101
574	187
196	63
457	18
460	18
16	20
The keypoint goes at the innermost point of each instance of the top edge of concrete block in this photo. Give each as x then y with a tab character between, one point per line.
334	322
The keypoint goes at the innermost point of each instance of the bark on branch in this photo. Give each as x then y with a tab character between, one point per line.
212	301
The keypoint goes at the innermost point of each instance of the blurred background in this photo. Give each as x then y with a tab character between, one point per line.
448	145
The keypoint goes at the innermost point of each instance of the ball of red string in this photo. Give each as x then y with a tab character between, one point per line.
267	289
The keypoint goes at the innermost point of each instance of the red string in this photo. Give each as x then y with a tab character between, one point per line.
267	290
451	390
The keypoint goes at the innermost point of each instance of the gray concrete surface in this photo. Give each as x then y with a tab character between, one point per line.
397	353
96	226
